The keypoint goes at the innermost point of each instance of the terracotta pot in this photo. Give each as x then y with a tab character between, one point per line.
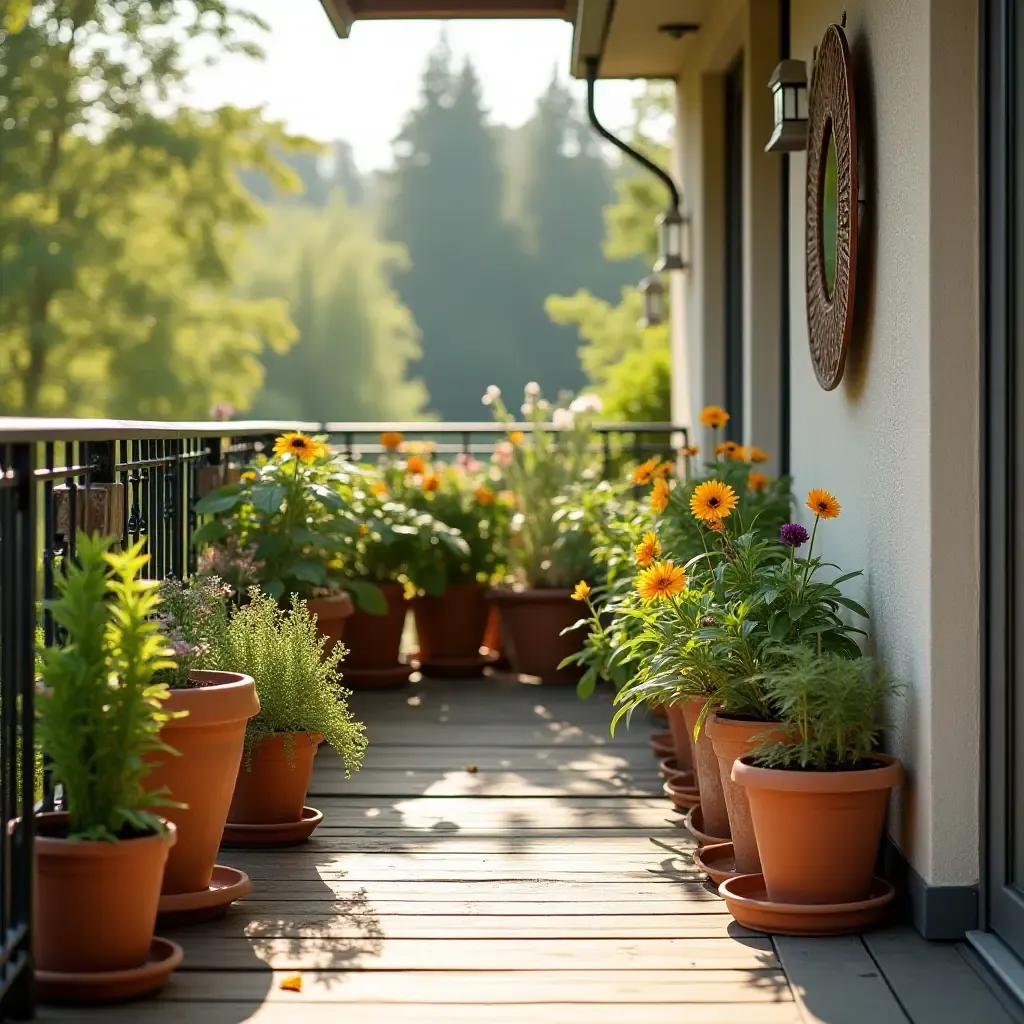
532	621
451	627
682	738
492	638
209	743
96	902
733	738
714	813
331	614
374	641
272	790
818	832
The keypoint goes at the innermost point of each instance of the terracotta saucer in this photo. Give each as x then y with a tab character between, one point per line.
457	668
662	745
669	770
748	903
226	886
684	798
288	833
718	862
111	986
695	823
393	678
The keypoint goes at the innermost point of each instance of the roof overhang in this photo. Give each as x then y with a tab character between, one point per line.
344	13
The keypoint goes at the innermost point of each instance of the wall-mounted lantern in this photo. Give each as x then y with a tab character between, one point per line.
673	241
653	292
789	94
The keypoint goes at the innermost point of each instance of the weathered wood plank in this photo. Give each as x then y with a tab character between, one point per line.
497	758
442	734
328	838
835	981
648	909
372	953
411	783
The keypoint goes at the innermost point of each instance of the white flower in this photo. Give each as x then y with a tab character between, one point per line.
543	405
532	390
527	408
590	404
562	419
492	395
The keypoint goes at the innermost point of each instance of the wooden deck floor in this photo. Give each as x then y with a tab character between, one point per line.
501	859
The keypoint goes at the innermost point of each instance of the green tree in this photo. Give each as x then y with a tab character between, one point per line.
356	339
120	226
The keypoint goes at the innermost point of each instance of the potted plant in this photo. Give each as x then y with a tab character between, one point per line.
301	704
99	866
553	477
287	514
208	737
818	794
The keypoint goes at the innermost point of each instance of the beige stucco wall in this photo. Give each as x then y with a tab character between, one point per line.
898	440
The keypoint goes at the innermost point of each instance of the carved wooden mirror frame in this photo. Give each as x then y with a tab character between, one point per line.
831	114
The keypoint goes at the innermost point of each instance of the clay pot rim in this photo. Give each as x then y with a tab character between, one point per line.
230	697
54	846
340	605
887	775
525	595
461	585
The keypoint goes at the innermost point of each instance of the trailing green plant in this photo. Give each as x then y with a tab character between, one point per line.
193	616
831	709
298	682
100	709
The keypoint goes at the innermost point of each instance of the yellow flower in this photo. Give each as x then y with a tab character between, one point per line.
729	448
249	474
304	448
507	498
648	549
712	500
391	439
660	495
757	482
582	591
418	447
363	529
516	436
660	582
823	504
643	473
431	482
758	454
663	470
380	489
484	496
414	464
291	983
713	416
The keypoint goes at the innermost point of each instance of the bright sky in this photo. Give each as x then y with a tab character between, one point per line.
359	89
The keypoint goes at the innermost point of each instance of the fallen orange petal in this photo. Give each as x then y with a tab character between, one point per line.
292	983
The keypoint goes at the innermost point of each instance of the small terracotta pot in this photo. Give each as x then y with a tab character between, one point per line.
331	614
714	813
733	738
96	902
532	621
451	627
682	738
818	832
272	790
374	641
209	744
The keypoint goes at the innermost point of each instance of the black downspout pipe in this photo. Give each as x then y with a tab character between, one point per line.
592	63
785	384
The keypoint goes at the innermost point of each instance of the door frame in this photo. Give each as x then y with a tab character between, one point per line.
734	292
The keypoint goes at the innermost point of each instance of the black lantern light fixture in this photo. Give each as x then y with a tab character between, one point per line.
653	292
789	96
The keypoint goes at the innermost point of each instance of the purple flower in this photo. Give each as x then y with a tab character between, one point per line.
182	648
792	535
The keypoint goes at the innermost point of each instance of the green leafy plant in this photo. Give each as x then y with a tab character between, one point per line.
297	680
100	711
831	707
193	616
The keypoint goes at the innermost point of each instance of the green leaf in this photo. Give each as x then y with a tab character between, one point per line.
847	576
271	546
310	570
210	532
329	498
854	607
220	500
586	686
272	588
304	535
368	597
268	498
798	611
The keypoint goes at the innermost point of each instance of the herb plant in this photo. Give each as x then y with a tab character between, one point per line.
100	709
193	616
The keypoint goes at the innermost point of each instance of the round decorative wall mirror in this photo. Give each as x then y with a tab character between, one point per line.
831	197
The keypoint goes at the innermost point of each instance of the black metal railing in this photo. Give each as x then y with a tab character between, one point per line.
135	479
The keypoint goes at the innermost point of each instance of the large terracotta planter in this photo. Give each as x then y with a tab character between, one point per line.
733	738
682	738
714	814
272	789
209	744
531	625
492	637
96	902
331	615
451	628
818	832
374	642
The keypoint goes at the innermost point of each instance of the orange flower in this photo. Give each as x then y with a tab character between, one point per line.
758	454
712	500
714	416
728	448
291	983
660	495
391	439
516	436
757	482
507	498
823	504
431	482
414	464
739	454
690	450
380	489
716	526
643	473
582	591
660	582
363	529
663	470
484	496
647	550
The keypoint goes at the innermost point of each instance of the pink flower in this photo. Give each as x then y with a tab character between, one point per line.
503	453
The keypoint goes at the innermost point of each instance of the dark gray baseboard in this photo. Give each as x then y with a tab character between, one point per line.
938	912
